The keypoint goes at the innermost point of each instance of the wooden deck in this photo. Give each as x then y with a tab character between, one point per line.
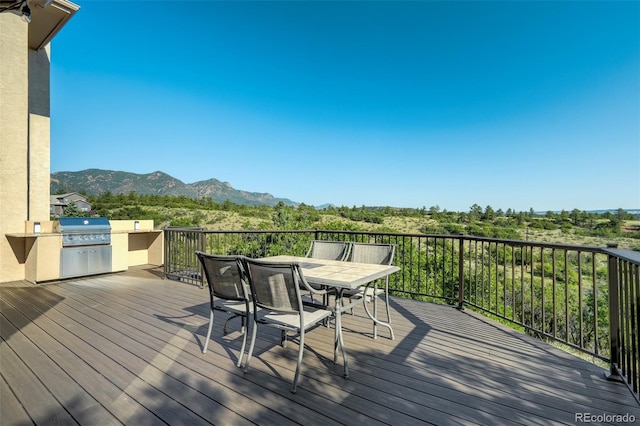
126	349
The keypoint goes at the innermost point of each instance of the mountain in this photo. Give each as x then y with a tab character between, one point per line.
96	182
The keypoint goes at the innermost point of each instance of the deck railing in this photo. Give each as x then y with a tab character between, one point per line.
624	316
587	298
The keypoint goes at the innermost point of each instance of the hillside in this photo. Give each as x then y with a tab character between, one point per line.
256	218
96	182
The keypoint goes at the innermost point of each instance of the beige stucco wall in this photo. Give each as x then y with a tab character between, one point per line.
39	162
14	86
24	145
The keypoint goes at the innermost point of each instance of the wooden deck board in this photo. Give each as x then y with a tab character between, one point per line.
29	389
10	407
82	404
126	349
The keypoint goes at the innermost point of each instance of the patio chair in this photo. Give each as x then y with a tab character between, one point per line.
330	250
228	292
380	254
276	296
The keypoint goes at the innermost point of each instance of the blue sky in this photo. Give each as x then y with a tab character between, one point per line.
511	104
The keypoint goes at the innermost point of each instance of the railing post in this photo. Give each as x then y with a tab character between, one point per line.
614	320
167	250
461	274
202	246
202	241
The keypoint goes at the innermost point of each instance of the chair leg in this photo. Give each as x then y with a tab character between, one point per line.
376	321
338	340
325	301
375	306
251	345
245	331
224	329
300	353
386	298
375	309
206	343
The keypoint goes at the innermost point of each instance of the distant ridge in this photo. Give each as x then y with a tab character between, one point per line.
630	211
97	181
599	211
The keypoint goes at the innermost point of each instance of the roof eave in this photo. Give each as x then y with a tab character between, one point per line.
48	21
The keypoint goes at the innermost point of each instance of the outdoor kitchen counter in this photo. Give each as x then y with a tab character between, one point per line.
40	253
141	247
32	234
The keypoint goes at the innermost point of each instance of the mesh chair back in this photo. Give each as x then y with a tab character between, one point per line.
274	286
329	250
225	276
380	254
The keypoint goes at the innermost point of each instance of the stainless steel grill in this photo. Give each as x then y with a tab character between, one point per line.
84	231
86	246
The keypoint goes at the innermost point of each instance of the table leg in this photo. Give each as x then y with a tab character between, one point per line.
373	317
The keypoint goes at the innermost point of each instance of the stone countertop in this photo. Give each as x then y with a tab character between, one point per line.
59	234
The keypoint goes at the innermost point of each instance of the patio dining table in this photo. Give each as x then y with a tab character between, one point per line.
341	276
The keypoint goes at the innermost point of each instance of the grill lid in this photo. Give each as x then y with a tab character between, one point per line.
83	225
82	231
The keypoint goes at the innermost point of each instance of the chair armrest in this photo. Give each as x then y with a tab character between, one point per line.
312	290
303	283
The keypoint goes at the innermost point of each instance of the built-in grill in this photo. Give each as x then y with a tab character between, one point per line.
86	246
84	231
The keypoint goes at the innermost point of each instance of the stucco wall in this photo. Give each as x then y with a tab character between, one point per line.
24	141
39	134
14	64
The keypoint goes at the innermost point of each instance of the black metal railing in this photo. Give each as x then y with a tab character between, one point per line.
180	261
587	298
624	316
